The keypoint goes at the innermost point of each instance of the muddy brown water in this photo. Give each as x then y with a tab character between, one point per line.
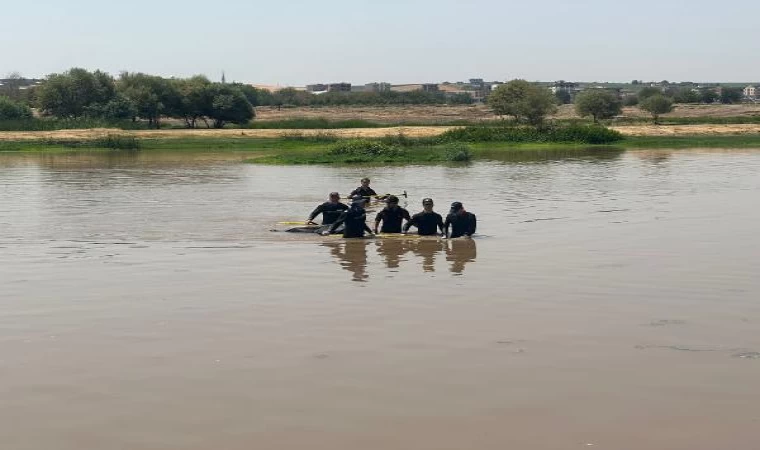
610	301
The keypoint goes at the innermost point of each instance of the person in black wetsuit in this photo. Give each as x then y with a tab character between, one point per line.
354	220
364	190
330	210
428	222
391	216
462	223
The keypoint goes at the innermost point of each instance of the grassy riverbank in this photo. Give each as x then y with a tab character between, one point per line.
333	146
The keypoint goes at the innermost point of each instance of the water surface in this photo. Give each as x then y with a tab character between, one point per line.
609	299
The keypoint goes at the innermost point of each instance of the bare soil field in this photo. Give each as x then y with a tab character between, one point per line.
94	133
689	130
420	131
445	114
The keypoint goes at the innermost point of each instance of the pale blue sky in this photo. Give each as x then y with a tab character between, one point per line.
299	42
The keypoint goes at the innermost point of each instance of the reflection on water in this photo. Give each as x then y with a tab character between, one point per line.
459	252
554	154
352	254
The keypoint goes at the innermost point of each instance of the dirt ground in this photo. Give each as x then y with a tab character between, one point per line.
211	133
629	130
446	114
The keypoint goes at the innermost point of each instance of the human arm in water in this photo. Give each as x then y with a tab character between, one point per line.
336	224
446	226
440	224
379	218
317	211
409	223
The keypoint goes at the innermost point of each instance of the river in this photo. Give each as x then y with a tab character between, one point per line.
610	300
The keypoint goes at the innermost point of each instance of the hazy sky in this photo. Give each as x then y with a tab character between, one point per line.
299	42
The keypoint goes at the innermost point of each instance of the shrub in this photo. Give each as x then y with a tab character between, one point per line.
580	134
457	152
364	148
585	134
10	110
113	142
117	142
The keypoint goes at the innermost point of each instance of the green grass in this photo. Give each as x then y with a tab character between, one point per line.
394	149
110	142
677	142
37	124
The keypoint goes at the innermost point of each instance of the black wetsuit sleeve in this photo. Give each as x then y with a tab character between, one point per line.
410	222
371	191
354	192
446	226
472	225
379	217
406	215
440	222
337	223
319	209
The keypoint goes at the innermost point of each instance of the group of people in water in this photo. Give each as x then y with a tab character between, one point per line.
353	218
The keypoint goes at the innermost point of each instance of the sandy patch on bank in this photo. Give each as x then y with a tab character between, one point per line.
628	130
689	130
242	134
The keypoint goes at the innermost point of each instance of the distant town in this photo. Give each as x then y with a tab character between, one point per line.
479	89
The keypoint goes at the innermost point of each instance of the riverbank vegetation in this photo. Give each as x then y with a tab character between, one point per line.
455	146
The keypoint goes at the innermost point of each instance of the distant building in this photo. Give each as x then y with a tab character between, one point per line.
565	86
752	92
316	87
377	87
477	83
430	87
339	87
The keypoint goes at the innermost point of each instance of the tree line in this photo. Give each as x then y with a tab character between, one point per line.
79	93
294	97
530	103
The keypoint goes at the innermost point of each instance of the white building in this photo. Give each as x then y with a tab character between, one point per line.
752	91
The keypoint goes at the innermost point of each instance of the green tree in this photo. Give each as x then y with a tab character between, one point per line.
648	92
524	101
598	103
228	104
152	96
12	110
631	100
119	108
657	105
253	95
730	95
686	95
563	97
11	86
76	93
194	99
707	95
